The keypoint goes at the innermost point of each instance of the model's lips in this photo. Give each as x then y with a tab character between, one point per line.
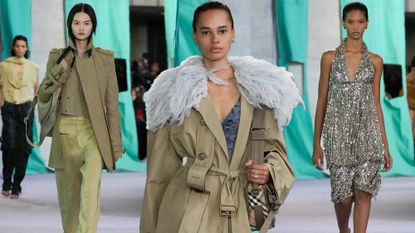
215	50
81	34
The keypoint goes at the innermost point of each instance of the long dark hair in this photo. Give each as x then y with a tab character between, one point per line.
87	9
15	39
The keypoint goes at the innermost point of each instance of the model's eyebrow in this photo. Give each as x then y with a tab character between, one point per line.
75	20
208	28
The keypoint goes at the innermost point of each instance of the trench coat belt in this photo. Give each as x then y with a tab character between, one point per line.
229	187
229	198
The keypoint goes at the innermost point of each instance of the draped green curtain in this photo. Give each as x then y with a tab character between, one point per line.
184	46
113	32
170	14
16	19
292	32
387	21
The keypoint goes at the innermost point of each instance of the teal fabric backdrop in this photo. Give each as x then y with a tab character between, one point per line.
170	15
16	19
184	46
387	21
113	33
292	32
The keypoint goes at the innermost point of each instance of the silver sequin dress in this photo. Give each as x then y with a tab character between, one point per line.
351	135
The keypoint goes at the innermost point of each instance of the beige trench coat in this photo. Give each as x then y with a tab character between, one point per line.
101	95
187	197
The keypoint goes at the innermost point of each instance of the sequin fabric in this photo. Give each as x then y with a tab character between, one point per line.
351	136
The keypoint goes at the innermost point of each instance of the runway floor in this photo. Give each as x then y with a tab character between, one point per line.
307	210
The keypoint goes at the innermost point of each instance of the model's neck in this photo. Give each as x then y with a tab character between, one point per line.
81	46
212	64
354	45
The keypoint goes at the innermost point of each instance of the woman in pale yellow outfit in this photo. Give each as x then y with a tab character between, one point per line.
18	86
86	136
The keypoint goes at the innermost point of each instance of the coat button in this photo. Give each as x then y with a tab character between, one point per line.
201	156
203	122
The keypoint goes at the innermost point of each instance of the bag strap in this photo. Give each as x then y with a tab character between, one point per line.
257	156
268	221
257	139
32	107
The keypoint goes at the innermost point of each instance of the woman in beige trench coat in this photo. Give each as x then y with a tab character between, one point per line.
199	117
86	136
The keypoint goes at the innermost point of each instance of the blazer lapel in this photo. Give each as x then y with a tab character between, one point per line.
243	133
209	115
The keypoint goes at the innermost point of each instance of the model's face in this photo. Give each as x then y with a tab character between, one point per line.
20	48
214	35
355	24
81	26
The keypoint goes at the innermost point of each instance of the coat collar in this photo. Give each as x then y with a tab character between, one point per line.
208	113
17	60
261	83
88	49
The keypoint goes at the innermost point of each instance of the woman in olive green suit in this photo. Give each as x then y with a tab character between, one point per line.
86	135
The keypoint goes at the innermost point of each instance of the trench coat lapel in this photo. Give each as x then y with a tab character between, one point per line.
243	133
208	112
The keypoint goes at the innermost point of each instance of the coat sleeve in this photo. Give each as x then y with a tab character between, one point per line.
113	112
162	163
276	159
54	78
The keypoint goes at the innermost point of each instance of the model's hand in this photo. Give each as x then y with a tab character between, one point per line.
118	157
388	162
318	157
257	173
67	58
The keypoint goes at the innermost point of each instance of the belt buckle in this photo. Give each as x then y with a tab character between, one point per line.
227	211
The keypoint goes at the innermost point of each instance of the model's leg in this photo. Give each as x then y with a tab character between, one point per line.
366	185
23	149
361	211
7	172
341	180
343	210
91	177
68	179
7	146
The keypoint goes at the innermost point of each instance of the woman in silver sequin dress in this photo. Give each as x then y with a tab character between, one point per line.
350	123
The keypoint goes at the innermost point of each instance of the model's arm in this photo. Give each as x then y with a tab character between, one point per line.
325	66
162	164
56	75
378	64
36	86
113	112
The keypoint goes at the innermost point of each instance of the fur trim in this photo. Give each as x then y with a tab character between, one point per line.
176	91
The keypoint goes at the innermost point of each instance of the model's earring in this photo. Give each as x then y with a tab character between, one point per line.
233	40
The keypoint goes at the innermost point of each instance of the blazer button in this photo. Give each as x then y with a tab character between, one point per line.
201	156
203	122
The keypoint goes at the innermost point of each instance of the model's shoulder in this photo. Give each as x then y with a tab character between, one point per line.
105	52
329	55
34	65
56	51
376	59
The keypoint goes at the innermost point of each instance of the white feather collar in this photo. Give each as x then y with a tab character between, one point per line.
176	91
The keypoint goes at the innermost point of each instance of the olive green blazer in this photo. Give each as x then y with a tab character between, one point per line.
100	89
